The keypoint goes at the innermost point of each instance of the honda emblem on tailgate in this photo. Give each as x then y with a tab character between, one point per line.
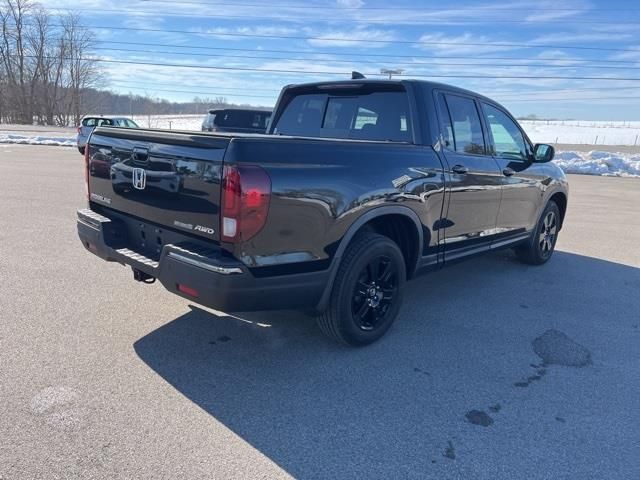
139	178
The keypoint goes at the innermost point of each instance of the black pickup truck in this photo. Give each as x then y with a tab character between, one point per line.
357	187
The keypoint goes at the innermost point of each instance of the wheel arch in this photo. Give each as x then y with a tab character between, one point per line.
560	199
412	249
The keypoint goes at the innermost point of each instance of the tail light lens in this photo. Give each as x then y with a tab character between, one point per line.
79	128
246	193
86	168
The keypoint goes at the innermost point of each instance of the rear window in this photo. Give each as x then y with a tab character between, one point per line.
380	116
97	122
242	119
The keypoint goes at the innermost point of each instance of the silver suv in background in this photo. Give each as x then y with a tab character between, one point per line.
90	122
236	120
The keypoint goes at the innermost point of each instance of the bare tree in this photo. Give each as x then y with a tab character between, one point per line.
45	67
15	57
82	72
47	72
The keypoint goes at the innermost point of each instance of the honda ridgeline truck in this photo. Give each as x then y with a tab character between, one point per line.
357	187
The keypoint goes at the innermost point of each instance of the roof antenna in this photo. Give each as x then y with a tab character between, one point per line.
357	75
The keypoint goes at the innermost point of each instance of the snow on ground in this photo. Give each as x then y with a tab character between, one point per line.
582	132
37	140
599	163
565	132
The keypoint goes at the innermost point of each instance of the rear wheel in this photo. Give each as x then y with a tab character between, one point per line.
367	291
81	150
539	248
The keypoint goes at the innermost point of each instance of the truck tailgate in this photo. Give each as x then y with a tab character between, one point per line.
167	178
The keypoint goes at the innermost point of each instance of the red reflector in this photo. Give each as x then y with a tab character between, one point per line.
192	292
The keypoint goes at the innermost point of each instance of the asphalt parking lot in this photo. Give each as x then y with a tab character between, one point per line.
495	370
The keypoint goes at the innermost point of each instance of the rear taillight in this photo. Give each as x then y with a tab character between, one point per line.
246	193
80	129
86	168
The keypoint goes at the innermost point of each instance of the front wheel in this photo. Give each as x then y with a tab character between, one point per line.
367	291
539	248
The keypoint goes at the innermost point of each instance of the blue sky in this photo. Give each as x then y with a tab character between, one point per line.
326	39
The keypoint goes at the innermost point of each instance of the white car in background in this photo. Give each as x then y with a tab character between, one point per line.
88	123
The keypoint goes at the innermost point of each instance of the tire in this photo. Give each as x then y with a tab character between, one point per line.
540	247
367	292
81	150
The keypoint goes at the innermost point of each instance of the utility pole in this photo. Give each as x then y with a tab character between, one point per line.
391	73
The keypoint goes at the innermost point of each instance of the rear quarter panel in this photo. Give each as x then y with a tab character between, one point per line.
321	187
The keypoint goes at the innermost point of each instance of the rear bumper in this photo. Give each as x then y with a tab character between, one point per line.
221	282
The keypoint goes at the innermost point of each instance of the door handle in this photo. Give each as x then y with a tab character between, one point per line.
461	169
508	172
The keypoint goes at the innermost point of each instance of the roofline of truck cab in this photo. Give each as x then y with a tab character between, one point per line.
425	132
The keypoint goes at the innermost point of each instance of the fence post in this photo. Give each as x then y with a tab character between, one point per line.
596	142
636	142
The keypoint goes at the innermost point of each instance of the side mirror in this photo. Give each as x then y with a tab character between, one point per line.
543	153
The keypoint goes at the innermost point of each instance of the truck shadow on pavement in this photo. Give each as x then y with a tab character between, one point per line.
397	408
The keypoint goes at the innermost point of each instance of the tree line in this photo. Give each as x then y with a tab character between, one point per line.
49	77
44	69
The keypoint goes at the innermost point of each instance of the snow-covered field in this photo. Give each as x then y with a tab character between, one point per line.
582	132
596	162
540	131
172	122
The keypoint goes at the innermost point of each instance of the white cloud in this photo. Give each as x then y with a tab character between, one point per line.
444	44
632	56
569	37
350	3
227	33
349	38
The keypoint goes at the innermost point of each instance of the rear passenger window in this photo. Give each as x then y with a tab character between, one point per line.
446	130
466	126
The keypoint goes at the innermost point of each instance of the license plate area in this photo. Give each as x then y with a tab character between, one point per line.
147	239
